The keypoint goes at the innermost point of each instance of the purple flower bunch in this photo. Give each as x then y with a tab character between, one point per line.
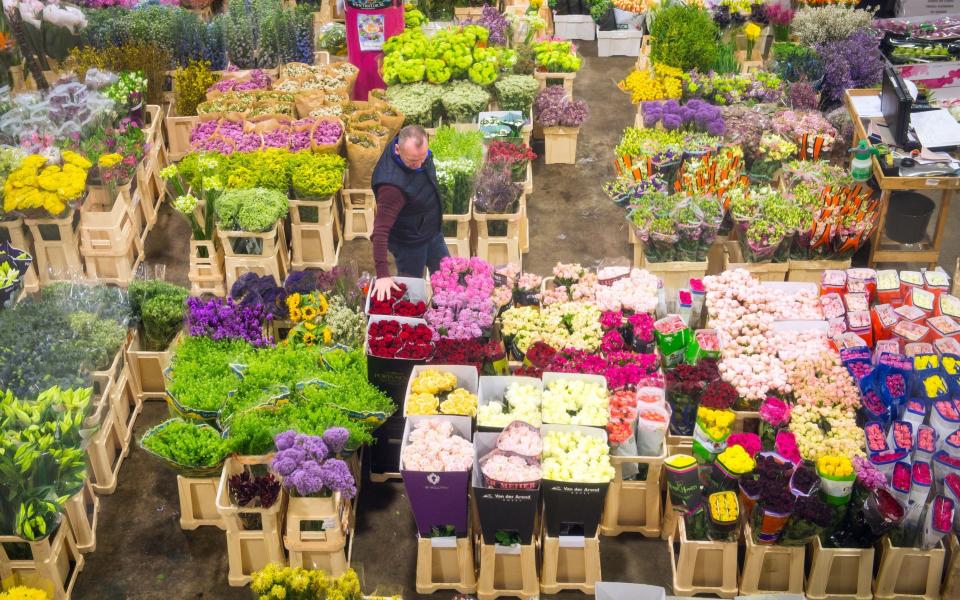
258	80
327	132
855	62
867	474
494	22
221	319
552	108
278	138
695	115
462	307
813	509
308	466
226	136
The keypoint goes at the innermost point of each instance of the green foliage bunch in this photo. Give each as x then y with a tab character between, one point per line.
160	306
684	37
187	443
254	210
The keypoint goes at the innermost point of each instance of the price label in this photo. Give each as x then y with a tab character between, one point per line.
444	542
511	549
572	541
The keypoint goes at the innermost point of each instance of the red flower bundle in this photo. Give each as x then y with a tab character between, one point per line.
719	394
390	339
466	352
510	154
540	354
396	305
623	414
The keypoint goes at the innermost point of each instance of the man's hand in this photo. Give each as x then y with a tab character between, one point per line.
382	288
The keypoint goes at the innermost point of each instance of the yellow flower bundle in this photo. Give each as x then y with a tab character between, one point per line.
28	188
716	423
834	466
431	381
724	507
457	402
662	83
736	460
22	592
925	361
306	307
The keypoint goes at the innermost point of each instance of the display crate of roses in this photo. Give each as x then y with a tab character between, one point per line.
394	345
442	389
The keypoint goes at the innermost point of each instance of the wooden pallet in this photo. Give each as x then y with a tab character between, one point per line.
206	273
499	249
702	567
634	505
145	368
55	559
840	573
198	502
908	573
771	568
273	259
445	567
315	243
508	571
359	211
574	567
327	549
56	244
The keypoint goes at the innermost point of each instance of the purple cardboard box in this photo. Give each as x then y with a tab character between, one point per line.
438	498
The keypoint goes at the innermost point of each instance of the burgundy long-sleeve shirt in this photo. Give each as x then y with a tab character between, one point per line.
390	202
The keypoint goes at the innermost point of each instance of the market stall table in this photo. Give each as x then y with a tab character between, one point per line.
882	248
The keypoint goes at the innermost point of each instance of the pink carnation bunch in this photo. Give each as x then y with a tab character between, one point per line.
775	411
786	446
462	306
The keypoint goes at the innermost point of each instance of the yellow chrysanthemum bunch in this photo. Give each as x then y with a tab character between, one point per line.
275	582
662	83
29	188
109	160
22	592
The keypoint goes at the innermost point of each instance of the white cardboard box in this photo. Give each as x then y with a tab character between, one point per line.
622	42
574	27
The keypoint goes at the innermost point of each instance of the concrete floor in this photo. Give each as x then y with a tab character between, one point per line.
142	554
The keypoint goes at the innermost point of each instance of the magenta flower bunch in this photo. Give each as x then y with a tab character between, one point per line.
622	369
257	80
462	306
309	466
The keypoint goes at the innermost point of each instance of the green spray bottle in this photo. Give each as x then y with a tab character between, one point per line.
861	167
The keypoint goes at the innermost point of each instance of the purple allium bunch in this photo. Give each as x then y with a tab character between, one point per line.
855	62
221	319
300	282
305	462
695	115
552	108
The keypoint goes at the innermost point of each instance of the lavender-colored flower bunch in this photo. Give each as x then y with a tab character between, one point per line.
308	466
855	62
495	23
221	319
552	108
695	115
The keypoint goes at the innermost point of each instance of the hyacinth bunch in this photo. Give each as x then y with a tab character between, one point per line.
462	307
695	115
222	319
309	466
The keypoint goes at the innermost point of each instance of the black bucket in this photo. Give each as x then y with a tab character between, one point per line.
908	217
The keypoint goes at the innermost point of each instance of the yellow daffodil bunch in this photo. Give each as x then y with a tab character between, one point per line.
662	83
36	186
736	460
752	31
834	466
432	381
22	592
715	423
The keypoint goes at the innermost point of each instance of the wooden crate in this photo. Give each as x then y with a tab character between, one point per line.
119	268
126	407
359	210
908	573
498	249
771	568
767	271
675	275
542	78
508	571
108	223
324	549
703	567
55	559
951	578
715	255
57	247
560	145
839	573
151	187
273	260
445	567
206	273
634	505
315	244
13	232
198	502
809	271
178	134
145	368
467	13
153	128
459	244
566	567
106	454
249	550
82	512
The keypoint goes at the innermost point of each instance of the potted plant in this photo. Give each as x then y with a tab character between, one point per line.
560	117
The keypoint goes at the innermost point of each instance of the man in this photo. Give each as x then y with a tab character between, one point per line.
409	217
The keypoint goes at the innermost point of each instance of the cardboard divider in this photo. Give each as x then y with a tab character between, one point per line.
500	509
438	499
573	508
467	378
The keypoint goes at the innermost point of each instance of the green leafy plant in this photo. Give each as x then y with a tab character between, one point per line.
160	308
200	373
516	92
186	443
99	338
684	37
463	101
254	210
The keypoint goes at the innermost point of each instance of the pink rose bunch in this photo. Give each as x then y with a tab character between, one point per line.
511	469
803	305
775	411
463	306
434	445
786	446
750	442
822	380
637	293
520	438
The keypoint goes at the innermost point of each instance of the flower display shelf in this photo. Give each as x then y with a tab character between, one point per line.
619	42
574	27
643	56
467	13
809	271
459	243
112	251
766	271
315	243
145	368
106	454
771	569
249	549
569	564
566	79
508	571
951	579
153	128
198	502
126	407
56	246
359	210
327	548
499	249
13	232
272	259
54	558
702	567
908	573
178	133
206	272
445	564
82	512
560	145
634	506
839	573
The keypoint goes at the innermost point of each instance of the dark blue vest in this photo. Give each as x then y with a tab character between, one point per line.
422	215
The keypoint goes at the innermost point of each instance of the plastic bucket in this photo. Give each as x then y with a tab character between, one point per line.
628	20
908	217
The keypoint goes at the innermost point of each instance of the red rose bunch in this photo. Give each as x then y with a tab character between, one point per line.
719	394
466	352
540	354
405	308
510	154
390	339
396	305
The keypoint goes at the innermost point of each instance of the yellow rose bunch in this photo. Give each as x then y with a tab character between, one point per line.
431	381
28	188
662	83
22	592
459	402
736	460
680	461
716	423
422	404
835	466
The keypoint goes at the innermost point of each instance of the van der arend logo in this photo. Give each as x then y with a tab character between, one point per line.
433	478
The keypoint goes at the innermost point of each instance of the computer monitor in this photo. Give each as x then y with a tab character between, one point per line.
895	102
